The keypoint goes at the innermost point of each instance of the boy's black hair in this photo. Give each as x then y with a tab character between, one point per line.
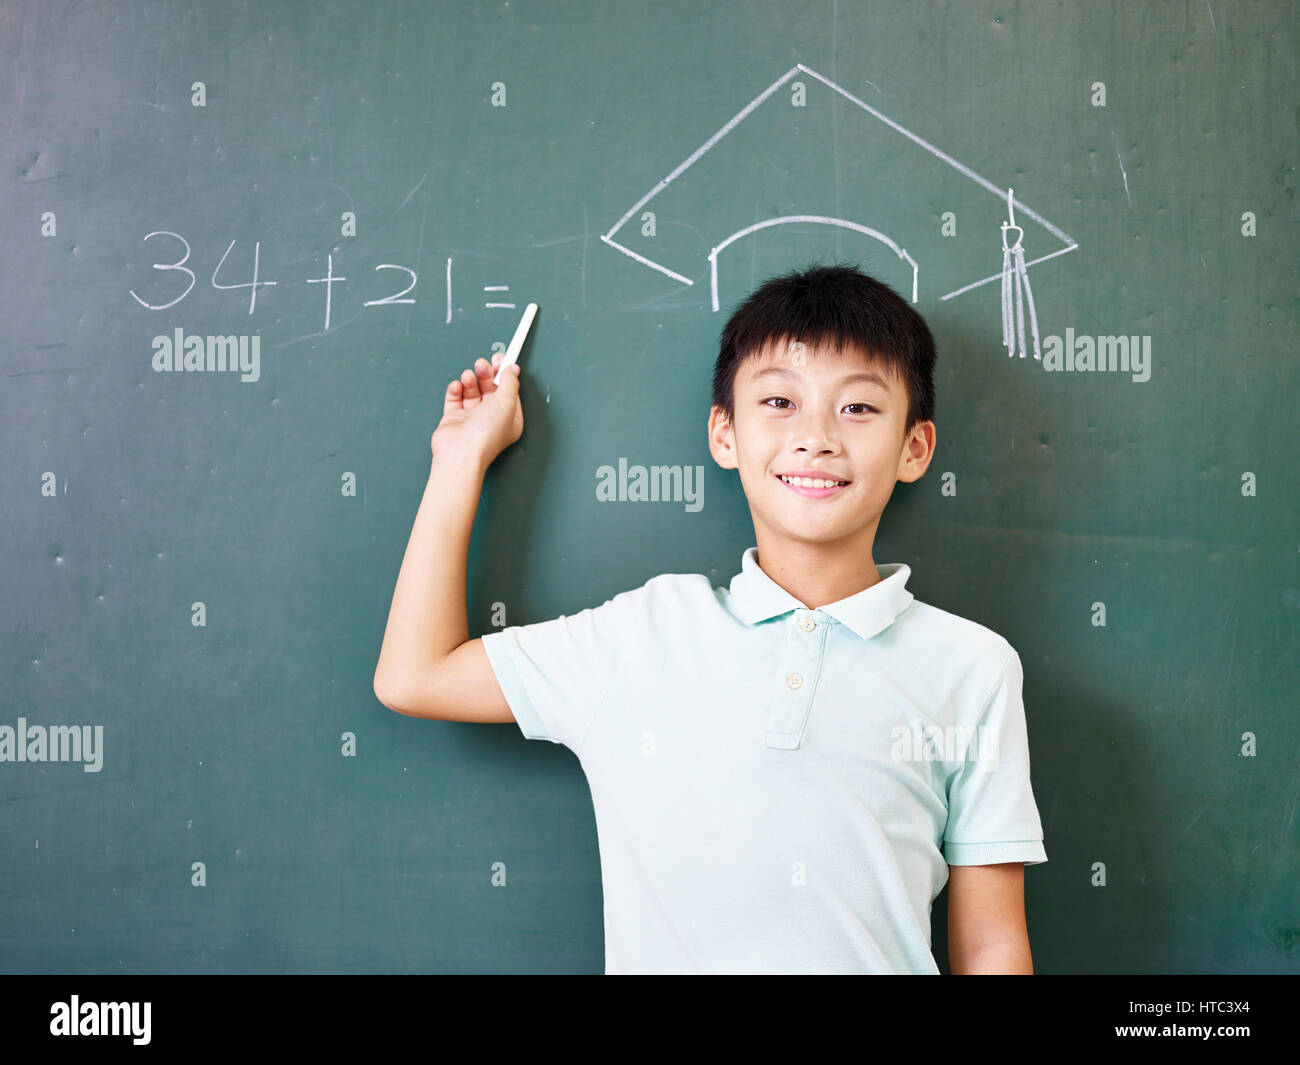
837	306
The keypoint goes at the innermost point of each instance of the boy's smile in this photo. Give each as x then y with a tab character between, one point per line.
819	443
813	484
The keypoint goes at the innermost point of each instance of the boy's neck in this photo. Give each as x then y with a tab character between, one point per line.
817	574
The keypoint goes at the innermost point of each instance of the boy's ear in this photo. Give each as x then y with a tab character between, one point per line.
918	451
722	442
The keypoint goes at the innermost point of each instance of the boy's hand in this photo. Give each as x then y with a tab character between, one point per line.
479	419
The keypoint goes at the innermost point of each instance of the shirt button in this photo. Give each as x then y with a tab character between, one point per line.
794	680
806	623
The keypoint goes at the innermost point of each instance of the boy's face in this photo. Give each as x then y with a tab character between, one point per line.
800	408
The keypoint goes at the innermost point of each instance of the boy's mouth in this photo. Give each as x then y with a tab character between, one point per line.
809	486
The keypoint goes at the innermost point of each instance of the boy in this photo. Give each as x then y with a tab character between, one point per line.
786	772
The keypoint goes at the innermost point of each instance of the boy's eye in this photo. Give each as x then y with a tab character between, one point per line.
781	399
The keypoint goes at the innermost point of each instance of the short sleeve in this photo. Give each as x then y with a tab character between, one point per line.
554	674
992	816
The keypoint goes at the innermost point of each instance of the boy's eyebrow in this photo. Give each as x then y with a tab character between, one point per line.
861	375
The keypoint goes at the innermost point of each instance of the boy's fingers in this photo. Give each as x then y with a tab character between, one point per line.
469	381
490	373
477	382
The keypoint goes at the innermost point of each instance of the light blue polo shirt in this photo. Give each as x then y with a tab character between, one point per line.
778	789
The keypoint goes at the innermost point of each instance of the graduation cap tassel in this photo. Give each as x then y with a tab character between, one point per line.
1020	307
1006	292
1023	275
1015	275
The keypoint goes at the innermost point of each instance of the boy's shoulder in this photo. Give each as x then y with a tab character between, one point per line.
685	590
663	592
959	663
954	634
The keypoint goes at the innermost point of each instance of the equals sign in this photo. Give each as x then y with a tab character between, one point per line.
498	288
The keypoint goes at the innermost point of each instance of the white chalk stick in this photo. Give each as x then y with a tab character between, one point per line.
517	344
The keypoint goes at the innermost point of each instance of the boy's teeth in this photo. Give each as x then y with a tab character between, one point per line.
811	482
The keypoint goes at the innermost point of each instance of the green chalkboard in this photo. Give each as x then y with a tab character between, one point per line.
357	199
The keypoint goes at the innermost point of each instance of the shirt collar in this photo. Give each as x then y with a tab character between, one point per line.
757	597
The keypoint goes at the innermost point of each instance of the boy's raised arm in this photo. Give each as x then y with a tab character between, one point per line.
428	666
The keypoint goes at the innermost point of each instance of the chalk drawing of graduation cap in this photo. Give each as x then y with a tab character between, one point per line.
872	181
